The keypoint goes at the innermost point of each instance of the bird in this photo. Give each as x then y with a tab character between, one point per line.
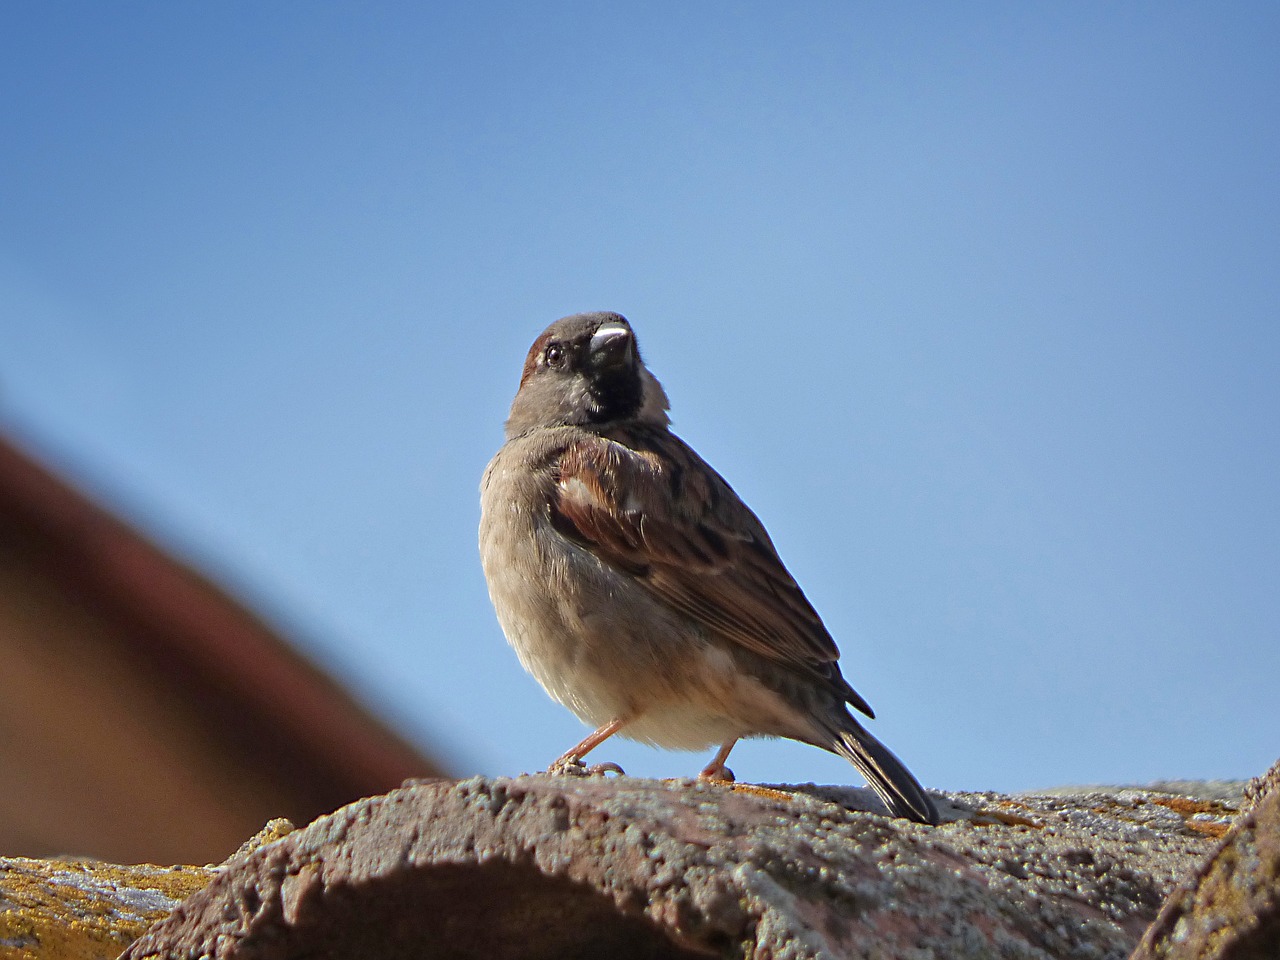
639	589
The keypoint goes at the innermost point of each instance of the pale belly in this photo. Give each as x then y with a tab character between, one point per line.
603	647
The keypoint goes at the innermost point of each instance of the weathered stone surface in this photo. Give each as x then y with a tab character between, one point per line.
84	910
1230	907
541	867
1260	787
1224	791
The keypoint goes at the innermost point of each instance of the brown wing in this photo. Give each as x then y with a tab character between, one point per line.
653	507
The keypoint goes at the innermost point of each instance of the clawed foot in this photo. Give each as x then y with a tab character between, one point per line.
572	767
716	772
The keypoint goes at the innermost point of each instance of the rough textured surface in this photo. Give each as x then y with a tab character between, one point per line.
1226	791
1230	908
536	867
84	910
1260	787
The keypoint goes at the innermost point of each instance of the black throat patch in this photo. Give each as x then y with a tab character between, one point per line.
616	394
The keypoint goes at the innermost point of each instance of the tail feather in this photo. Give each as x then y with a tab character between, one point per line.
884	772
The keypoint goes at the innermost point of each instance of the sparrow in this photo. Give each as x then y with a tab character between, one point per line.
639	589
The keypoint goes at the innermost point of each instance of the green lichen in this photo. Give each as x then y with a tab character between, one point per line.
84	910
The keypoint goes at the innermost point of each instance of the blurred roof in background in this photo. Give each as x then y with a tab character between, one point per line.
145	715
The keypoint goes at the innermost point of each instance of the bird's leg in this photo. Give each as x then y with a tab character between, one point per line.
575	754
570	762
716	770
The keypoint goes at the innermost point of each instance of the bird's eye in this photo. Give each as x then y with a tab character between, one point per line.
555	355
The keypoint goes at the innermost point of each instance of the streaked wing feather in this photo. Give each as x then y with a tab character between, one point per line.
688	538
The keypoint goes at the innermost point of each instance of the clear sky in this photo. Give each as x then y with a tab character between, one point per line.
977	305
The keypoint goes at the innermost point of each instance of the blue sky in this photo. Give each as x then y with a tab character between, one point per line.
978	307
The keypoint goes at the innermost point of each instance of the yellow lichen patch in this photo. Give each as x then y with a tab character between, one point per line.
1203	816
273	831
1189	805
1009	819
1212	828
769	793
990	817
84	910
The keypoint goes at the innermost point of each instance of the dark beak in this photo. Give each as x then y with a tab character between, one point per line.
612	345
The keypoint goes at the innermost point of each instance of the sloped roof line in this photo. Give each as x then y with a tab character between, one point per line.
216	645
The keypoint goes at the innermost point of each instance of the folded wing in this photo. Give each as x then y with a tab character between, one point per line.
654	508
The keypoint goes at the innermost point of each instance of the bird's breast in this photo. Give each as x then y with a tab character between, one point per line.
594	637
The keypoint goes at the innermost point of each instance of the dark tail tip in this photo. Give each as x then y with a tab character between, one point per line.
885	774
